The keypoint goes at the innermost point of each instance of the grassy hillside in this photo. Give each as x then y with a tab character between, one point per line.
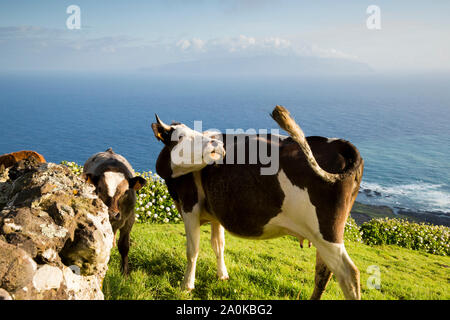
273	269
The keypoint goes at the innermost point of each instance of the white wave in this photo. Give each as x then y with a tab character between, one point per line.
420	196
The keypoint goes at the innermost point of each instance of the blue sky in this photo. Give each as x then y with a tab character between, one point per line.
132	34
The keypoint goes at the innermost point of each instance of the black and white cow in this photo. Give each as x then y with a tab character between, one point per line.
301	199
116	185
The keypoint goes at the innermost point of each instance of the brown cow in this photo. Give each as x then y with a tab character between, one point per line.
9	159
116	185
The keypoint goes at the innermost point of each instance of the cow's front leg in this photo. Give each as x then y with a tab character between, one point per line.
218	246
192	227
124	243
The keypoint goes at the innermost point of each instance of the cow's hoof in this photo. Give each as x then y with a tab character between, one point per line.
224	277
188	289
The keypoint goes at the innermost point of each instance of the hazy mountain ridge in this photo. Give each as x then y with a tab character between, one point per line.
264	65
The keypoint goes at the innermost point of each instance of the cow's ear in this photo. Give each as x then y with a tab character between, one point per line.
90	178
158	132
161	130
136	183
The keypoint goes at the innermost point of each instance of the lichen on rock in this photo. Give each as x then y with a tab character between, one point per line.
51	224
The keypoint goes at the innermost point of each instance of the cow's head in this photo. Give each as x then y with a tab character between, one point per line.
117	192
190	150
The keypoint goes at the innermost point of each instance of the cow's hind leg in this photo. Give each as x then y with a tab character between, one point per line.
337	260
218	246
322	277
192	227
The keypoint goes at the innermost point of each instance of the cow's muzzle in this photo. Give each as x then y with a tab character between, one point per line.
114	216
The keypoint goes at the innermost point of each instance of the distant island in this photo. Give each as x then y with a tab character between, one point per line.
264	65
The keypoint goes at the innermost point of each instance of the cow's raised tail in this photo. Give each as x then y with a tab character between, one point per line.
282	116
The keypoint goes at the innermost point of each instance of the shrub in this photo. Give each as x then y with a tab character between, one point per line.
417	236
76	169
153	204
351	231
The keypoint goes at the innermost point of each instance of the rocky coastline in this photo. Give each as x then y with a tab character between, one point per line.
365	212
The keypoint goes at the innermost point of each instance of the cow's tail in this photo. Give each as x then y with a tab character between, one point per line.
282	116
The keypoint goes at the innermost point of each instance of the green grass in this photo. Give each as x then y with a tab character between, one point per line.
270	269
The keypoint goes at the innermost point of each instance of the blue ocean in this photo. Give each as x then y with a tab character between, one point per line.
400	124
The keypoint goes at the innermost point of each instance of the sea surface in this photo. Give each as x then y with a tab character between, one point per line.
400	124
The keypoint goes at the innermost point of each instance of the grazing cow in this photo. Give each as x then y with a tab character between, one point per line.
301	199
9	159
116	185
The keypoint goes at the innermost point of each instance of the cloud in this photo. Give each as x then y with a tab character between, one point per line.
401	45
27	32
37	48
277	42
247	46
36	38
193	44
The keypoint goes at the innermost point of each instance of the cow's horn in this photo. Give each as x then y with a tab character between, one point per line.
162	124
